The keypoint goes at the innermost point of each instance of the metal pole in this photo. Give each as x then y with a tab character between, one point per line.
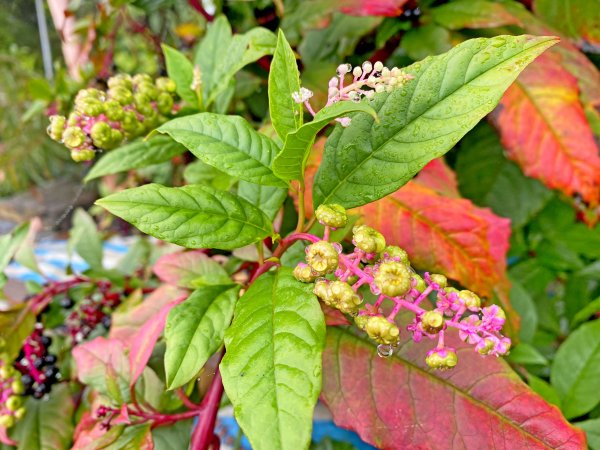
44	39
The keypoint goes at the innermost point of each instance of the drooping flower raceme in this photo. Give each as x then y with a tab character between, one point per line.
386	271
367	80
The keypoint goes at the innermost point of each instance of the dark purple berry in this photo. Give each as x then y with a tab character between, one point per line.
46	340
106	322
50	359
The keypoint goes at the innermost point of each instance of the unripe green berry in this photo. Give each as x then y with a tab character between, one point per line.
164	103
303	273
420	283
393	278
100	133
142	103
382	330
89	106
332	215
89	93
130	122
368	240
148	89
72	119
121	94
342	297
441	359
56	127
361	321
322	257
488	346
17	387
397	253
113	110
20	413
82	155
6	421
121	80
141	78
166	84
432	322
322	291
73	137
471	300
6	372
440	280
13	402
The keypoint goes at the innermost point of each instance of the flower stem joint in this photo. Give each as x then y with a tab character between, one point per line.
386	271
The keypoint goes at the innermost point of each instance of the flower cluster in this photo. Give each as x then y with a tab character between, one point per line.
11	390
131	107
94	310
367	80
386	272
37	365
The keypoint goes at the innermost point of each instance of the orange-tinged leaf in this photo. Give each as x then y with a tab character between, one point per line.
398	403
389	8
439	177
544	128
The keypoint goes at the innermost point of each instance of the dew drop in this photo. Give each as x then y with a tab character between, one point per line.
385	350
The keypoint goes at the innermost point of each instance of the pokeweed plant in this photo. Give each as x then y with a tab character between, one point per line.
270	315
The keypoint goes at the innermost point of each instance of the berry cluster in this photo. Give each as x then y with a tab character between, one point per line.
386	270
36	365
100	120
11	390
367	80
94	310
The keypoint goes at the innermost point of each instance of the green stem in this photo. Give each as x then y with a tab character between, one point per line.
261	253
301	211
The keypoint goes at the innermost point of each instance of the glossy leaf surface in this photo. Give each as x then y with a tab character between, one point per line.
228	143
284	80
578	20
290	162
136	155
473	14
267	198
272	368
191	216
190	270
421	121
399	403
181	71
544	128
195	330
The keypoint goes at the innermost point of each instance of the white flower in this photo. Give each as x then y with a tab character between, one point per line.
302	95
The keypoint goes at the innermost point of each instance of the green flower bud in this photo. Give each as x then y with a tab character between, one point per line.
382	330
113	110
120	80
148	89
332	215
322	257
303	273
121	94
442	359
166	84
56	127
164	103
90	107
13	402
397	253
17	386
20	413
342	297
130	122
100	134
393	278
361	321
440	280
6	421
432	322
368	240
85	154
471	300
421	285
116	137
142	103
73	137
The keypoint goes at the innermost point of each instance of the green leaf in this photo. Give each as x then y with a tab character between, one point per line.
199	172
284	80
48	425
526	354
191	216
543	388
135	155
489	179
525	307
190	270
290	163
85	239
175	436
473	14
592	431
422	120
586	312
267	198
133	437
576	370
15	325
194	331
181	71
418	43
10	243
272	367
228	143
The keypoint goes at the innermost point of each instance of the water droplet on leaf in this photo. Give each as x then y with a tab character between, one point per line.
385	350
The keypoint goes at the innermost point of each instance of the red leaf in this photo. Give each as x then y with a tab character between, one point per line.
439	177
333	317
126	324
398	403
189	269
389	8
544	128
142	343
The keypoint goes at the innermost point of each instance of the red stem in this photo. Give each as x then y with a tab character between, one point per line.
203	435
198	7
